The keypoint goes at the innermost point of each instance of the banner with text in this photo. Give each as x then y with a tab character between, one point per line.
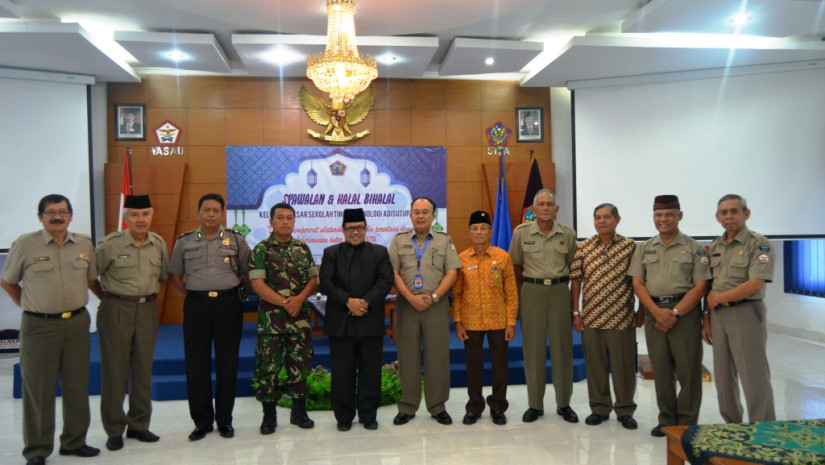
320	182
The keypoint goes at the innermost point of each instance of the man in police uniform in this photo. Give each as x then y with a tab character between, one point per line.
670	273
133	266
282	273
542	252
57	269
426	266
742	262
215	261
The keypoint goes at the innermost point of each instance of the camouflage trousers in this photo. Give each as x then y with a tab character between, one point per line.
292	351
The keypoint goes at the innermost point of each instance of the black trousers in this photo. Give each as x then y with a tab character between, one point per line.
207	320
474	356
353	357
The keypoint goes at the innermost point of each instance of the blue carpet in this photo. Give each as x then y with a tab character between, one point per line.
169	379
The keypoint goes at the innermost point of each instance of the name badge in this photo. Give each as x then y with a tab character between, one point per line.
418	282
474	267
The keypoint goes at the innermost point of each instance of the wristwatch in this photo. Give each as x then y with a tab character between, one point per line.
577	313
435	298
676	312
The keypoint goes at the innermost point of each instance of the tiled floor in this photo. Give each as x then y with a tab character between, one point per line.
798	381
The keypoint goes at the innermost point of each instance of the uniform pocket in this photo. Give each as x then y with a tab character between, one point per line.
682	266
739	268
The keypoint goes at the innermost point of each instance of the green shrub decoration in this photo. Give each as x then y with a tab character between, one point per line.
319	382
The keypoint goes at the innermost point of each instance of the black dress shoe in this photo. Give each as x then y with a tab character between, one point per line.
595	419
200	432
498	417
470	418
531	415
628	422
226	431
82	451
344	425
114	443
370	424
568	414
402	418
443	418
656	432
143	436
36	460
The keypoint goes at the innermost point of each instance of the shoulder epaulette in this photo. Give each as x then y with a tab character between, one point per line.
108	236
157	236
523	225
187	233
236	232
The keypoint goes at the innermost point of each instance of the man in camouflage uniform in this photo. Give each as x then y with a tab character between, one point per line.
282	273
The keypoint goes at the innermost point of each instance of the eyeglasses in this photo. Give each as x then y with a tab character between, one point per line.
53	213
350	229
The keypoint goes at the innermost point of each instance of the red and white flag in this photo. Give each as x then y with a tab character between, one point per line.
125	189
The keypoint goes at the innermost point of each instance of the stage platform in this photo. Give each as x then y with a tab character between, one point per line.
169	380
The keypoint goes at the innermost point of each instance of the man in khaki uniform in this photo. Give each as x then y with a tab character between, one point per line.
542	252
670	273
426	266
742	262
133	265
57	269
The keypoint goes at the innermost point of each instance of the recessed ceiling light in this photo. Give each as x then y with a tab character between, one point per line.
387	59
489	61
740	19
176	55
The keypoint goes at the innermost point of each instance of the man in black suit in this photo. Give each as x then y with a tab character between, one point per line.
356	276
129	126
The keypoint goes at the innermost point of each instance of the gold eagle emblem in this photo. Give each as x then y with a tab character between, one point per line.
339	116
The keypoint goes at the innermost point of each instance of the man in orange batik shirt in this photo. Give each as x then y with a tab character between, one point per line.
485	301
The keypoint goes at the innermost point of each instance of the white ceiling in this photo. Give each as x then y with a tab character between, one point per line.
539	42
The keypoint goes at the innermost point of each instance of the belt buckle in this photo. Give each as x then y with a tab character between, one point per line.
66	315
548	282
142	300
213	294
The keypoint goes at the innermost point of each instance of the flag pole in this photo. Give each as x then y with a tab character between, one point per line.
125	188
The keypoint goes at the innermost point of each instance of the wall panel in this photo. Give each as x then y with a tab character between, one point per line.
218	111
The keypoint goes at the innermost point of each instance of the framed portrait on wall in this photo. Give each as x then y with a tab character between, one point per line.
530	124
130	121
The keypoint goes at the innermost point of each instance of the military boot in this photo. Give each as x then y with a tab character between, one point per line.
270	418
299	414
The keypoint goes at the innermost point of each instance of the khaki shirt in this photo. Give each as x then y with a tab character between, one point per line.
214	264
749	256
673	269
439	257
55	278
541	256
129	269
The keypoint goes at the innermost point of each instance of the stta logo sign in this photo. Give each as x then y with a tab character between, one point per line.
168	135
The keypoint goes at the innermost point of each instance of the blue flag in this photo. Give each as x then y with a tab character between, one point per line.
502	231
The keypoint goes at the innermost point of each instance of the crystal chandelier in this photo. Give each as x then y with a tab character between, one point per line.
341	71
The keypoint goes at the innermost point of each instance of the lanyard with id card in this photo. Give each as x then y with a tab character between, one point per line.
418	281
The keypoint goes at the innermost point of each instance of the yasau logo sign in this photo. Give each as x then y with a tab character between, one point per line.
168	135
